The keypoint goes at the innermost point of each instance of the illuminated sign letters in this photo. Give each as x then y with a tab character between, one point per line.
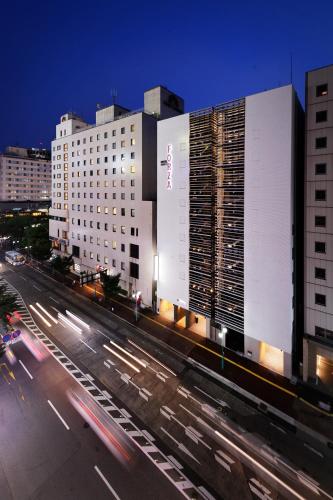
169	162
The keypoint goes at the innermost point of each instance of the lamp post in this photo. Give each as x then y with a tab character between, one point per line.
221	334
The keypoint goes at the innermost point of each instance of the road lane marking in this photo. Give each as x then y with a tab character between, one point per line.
26	369
54	300
58	414
22	277
83	342
37	288
257	464
152	357
122	358
106	482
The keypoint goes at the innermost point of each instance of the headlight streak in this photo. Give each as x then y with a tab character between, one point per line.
121	357
65	320
40	315
77	319
47	313
142	363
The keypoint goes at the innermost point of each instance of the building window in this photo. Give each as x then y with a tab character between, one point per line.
122	247
122	212
132	196
134	251
122	144
106	243
134	270
114	228
132	128
320	273
98	209
132	182
321	90
122	196
320	168
122	130
114	211
114	244
113	133
320	299
106	210
106	226
132	212
123	170
132	231
321	116
323	332
122	229
320	195
320	221
114	170
105	135
122	266
91	255
132	169
114	157
321	142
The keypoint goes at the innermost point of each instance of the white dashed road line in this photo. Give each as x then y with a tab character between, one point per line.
26	369
58	414
108	485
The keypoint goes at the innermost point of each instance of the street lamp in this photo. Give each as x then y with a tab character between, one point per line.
221	334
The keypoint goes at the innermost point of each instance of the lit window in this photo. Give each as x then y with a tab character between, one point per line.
122	229
98	209
132	142
321	90
114	228
114	211
132	169
106	210
114	244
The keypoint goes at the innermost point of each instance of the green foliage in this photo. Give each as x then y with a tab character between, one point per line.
62	264
15	226
7	304
37	237
110	284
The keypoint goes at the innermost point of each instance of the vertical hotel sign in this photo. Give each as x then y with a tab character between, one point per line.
169	162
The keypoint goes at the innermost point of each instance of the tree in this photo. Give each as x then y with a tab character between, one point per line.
8	305
62	264
110	284
37	238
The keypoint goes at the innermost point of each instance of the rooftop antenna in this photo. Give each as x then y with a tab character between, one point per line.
114	94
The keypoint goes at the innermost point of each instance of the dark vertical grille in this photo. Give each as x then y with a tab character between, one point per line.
229	215
201	216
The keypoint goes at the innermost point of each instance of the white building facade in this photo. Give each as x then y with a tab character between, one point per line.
104	191
25	175
225	224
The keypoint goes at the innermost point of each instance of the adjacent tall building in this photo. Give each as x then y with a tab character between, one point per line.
25	175
104	190
318	272
228	180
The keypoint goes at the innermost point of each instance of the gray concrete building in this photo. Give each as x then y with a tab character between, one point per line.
318	270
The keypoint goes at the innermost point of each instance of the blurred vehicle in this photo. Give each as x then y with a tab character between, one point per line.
109	432
14	258
35	346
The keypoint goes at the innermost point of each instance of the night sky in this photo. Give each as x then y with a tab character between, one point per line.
61	56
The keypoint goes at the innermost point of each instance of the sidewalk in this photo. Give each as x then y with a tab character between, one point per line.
297	401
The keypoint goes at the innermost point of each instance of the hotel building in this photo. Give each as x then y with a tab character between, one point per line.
104	190
318	271
25	175
227	183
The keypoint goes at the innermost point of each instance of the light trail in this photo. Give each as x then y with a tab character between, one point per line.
77	319
129	354
69	323
150	356
121	357
257	464
40	315
47	313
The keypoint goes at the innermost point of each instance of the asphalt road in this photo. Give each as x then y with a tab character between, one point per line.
175	404
41	459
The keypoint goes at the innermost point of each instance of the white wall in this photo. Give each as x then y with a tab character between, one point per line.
268	289
173	211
